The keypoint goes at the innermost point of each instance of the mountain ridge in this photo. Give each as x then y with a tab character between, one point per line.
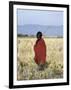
47	30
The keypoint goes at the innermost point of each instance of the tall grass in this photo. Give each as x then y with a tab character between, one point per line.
27	68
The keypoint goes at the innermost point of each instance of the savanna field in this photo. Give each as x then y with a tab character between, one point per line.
27	69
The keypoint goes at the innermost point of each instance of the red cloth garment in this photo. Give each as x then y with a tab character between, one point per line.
40	51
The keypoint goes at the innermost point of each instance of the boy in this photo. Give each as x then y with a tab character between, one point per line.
40	51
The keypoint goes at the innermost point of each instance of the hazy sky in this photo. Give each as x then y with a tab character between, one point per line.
39	17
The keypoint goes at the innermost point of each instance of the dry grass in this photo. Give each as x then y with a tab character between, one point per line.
27	68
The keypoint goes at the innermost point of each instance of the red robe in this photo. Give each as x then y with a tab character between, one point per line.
40	52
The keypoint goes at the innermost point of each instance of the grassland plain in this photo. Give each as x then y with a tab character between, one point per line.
27	68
